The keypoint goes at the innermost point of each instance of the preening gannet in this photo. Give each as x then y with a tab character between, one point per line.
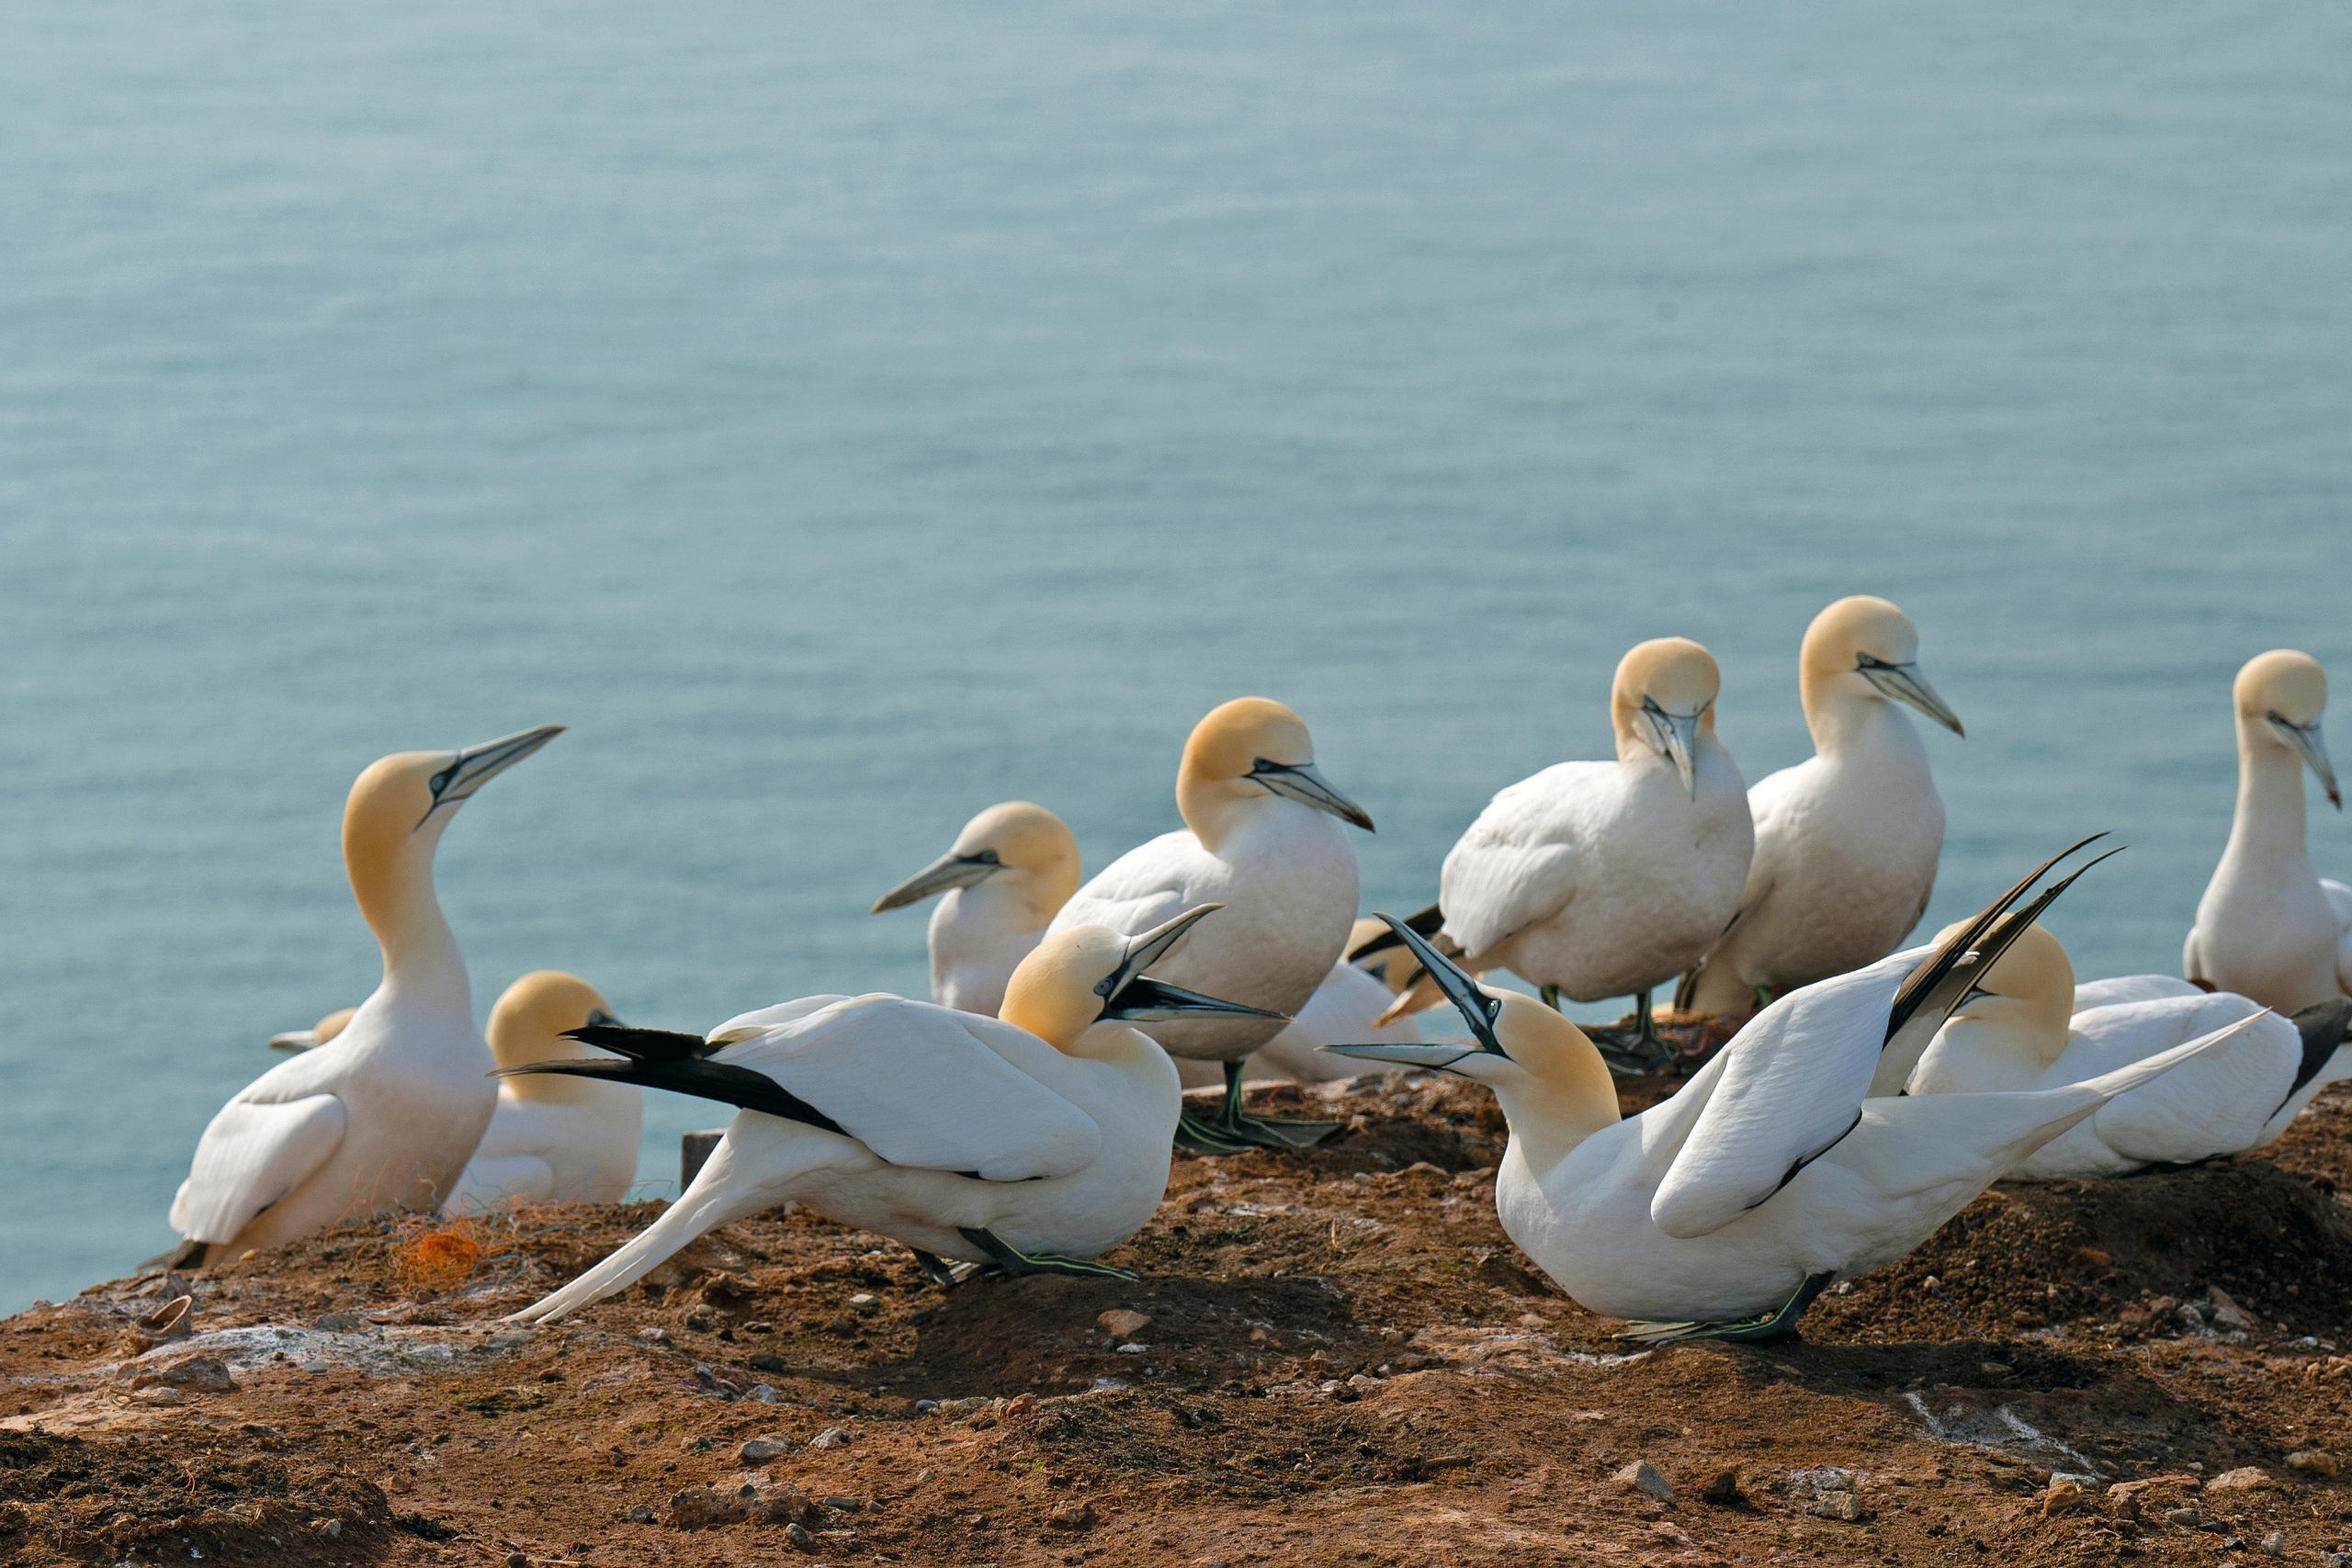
318	1034
1031	1143
386	1114
2268	927
1846	843
1606	879
2014	1030
1261	837
1001	883
1787	1163
553	1139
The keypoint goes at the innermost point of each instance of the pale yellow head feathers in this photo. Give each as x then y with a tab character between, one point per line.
388	802
2030	989
1244	751
529	1023
1556	1054
2283	682
1664	699
1052	994
1853	628
1036	847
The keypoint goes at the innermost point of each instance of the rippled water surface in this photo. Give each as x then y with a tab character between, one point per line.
846	418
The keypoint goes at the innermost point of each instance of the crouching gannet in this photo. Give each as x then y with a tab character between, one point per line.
1790	1161
1031	1143
1010	869
552	1139
1846	843
386	1114
1607	879
2268	927
2013	1031
1260	839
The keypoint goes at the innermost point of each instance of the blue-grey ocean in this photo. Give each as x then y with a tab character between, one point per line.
846	417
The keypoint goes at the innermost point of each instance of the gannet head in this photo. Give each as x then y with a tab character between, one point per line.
2029	990
399	806
1077	978
2281	696
1517	1046
1244	750
1864	647
534	1015
1664	698
1014	844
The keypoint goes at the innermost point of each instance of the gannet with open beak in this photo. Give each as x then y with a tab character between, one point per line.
2268	927
1847	843
1261	837
552	1139
385	1115
1787	1162
1031	1143
1607	879
2014	1030
1000	885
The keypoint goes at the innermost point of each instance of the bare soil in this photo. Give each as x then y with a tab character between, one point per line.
1344	1361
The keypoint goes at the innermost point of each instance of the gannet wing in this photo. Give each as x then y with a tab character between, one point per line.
1792	1084
2130	988
254	1154
932	1087
1150	885
1517	864
2215	1103
762	1019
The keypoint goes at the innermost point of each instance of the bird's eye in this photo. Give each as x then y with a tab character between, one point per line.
988	857
1866	661
441	780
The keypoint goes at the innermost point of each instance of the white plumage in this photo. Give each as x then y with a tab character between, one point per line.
552	1139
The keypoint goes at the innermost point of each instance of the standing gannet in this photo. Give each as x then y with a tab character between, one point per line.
1847	843
2017	1030
386	1114
553	1139
1259	838
1787	1162
1010	869
2267	926
1607	879
1031	1143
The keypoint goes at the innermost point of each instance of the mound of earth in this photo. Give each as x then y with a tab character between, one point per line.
1332	1358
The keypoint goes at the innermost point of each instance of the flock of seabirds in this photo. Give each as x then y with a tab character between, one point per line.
1023	1120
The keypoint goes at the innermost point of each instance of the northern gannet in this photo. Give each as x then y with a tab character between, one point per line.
2016	1030
1607	879
553	1139
1261	837
2268	927
386	1114
1031	1143
1790	1161
1010	869
1846	843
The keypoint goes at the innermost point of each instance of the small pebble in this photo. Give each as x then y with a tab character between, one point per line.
865	1303
654	1334
1122	1323
833	1437
763	1450
1644	1477
640	1514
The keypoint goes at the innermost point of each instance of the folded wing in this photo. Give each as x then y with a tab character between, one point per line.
253	1154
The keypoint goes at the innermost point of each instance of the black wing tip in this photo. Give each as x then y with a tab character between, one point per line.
2324	1027
629	1039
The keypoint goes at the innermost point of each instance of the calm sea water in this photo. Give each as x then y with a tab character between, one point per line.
846	418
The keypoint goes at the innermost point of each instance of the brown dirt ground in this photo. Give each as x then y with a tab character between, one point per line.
1345	1363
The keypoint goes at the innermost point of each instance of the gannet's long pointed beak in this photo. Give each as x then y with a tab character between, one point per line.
2306	740
295	1040
949	871
1677	735
1302	783
1479	1007
1905	684
476	765
1144	998
1437	1058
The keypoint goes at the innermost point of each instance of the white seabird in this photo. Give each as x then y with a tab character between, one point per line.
1607	879
1029	1144
1009	872
1847	843
2014	1030
552	1139
1787	1163
2268	927
386	1114
1261	837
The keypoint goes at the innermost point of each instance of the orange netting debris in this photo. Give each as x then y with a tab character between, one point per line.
441	1259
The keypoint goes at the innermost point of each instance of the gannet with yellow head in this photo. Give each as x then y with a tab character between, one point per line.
1000	885
1607	879
385	1115
1030	1143
1847	843
553	1139
2268	926
2018	1029
1783	1166
1261	837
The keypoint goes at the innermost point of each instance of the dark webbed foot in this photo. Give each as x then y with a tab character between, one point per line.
1004	1255
1777	1325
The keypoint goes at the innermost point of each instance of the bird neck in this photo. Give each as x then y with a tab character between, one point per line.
393	886
2268	824
1014	901
1845	722
1551	1114
1989	1054
1114	1043
1216	808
